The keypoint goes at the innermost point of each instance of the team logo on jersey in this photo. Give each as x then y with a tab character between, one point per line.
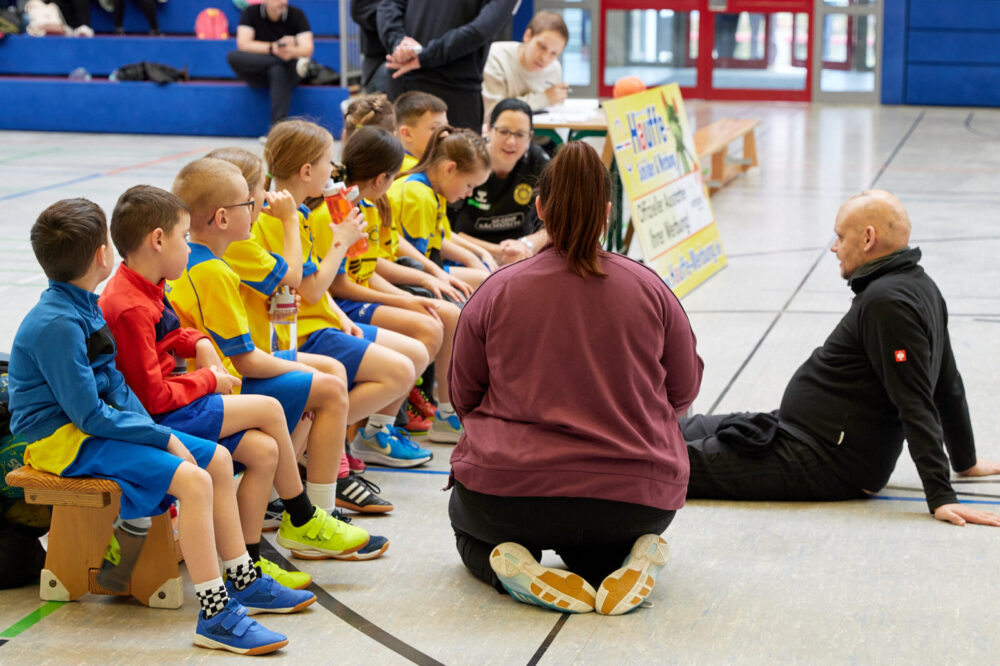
522	193
900	355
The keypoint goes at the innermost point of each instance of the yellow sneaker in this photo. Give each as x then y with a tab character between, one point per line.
296	580
322	537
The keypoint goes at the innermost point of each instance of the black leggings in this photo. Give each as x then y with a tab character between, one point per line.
148	8
592	536
76	12
261	70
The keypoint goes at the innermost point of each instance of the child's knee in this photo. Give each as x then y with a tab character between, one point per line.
192	485
401	371
258	450
221	463
330	391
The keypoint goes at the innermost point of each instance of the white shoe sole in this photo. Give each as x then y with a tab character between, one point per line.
205	642
626	588
304	552
443	437
528	581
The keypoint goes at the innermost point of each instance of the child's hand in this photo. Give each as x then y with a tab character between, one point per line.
273	317
462	286
514	250
351	230
205	355
282	206
176	448
488	259
224	382
424	306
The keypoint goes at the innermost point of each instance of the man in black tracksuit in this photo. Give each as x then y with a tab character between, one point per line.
885	373
455	36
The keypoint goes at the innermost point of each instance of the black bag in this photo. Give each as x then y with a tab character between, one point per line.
10	21
149	71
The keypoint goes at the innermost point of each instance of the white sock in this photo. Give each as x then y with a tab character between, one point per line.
323	495
377	421
445	408
244	559
274	496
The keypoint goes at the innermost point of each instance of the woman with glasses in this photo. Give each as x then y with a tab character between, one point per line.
500	215
568	371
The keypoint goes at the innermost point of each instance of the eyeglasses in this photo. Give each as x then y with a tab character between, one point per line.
248	204
505	134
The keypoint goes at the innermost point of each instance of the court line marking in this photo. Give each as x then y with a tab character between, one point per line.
31	619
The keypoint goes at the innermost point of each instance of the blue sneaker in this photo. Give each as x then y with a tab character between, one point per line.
266	595
390	446
232	630
445	429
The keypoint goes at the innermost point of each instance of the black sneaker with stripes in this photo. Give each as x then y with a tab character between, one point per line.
359	494
272	517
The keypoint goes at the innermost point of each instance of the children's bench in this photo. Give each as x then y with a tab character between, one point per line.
83	510
712	141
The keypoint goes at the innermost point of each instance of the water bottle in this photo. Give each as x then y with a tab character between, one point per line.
283	312
341	199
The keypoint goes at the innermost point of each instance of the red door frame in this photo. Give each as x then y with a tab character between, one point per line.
706	36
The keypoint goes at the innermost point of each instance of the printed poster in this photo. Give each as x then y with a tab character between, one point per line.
671	211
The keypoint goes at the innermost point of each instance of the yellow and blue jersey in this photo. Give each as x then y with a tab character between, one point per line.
421	213
383	241
269	233
207	298
260	273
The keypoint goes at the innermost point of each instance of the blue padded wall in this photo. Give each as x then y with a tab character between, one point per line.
942	52
58	56
208	109
178	16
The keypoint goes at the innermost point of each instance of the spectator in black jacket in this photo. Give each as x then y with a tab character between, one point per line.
374	75
885	373
454	37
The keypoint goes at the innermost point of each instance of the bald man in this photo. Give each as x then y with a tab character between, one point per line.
886	373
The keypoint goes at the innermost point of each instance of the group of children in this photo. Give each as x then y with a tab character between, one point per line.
177	373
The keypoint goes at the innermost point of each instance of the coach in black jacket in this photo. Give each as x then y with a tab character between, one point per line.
885	373
455	38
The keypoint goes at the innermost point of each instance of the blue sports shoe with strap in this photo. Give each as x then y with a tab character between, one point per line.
231	629
390	446
266	595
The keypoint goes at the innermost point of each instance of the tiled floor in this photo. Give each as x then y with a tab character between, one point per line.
875	581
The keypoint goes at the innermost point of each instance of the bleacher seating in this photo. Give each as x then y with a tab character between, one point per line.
33	72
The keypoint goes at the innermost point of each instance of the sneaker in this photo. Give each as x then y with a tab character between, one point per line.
416	423
232	630
356	466
376	546
361	495
83	31
390	446
266	595
529	582
446	430
625	589
302	67
322	537
272	515
422	402
293	580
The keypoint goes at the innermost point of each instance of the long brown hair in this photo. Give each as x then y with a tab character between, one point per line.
292	143
370	152
463	147
574	190
367	111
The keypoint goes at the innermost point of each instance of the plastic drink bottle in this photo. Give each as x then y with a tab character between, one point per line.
282	312
341	199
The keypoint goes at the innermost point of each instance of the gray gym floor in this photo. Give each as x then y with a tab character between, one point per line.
875	581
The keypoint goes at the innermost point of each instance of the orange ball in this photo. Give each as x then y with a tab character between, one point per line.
628	85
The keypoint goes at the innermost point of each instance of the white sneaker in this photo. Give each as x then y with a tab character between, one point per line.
302	67
84	31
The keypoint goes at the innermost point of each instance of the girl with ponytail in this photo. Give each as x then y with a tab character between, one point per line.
454	162
380	365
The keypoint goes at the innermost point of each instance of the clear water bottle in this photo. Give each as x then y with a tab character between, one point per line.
283	312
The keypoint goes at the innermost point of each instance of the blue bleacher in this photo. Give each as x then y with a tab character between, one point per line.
33	72
177	16
58	56
219	108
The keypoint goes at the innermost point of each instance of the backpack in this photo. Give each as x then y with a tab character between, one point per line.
211	23
149	71
10	21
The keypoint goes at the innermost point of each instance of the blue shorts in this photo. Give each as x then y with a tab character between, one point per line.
290	389
143	472
202	418
347	349
360	312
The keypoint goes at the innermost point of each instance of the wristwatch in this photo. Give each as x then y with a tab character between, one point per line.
527	241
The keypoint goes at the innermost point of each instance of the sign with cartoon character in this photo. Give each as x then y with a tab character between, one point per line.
671	211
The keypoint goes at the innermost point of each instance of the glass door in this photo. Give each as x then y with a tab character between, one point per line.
579	59
848	63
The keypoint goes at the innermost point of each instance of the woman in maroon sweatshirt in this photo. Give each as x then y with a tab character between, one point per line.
569	371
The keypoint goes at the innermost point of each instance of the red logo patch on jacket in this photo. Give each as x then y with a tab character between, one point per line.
900	355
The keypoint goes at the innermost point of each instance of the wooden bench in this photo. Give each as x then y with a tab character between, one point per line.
712	142
83	510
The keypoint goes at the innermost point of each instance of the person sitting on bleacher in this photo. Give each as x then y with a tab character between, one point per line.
274	44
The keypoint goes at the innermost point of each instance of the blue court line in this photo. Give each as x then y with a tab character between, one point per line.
922	499
67	183
408	471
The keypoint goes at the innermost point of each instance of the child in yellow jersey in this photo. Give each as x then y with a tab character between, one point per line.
453	163
299	156
206	297
369	160
261	273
